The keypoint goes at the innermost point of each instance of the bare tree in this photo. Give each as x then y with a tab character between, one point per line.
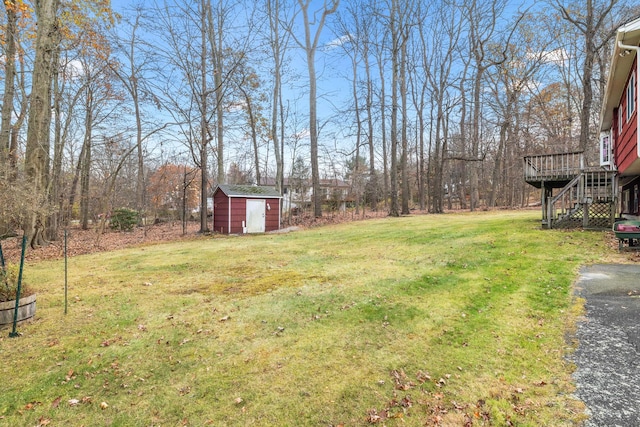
310	45
278	42
591	22
134	62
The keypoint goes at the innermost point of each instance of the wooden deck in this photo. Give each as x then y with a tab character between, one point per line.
553	170
583	197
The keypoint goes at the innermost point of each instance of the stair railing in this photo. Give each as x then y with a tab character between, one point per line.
567	199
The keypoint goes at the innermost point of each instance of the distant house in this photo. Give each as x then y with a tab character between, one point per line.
299	193
619	136
245	209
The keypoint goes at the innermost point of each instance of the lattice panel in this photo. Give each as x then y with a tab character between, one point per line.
600	215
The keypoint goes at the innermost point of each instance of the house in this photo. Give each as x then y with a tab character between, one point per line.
619	136
245	209
573	192
298	193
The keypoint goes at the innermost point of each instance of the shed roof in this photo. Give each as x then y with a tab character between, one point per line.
251	191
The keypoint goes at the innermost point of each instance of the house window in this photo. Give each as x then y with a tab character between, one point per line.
605	149
620	123
631	96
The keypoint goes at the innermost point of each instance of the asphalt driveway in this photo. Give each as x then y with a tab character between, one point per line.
607	375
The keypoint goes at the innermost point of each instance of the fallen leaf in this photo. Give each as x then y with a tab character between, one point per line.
29	406
56	402
73	402
238	400
422	377
225	318
104	405
406	402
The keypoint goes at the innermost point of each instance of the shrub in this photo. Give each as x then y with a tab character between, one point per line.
124	219
9	284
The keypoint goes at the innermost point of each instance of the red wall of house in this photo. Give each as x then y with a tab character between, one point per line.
625	148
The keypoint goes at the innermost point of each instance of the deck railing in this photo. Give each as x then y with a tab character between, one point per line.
550	167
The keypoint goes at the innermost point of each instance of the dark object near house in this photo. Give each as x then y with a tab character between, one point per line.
245	209
628	231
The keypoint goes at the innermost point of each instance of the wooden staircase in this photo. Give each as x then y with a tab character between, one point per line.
584	197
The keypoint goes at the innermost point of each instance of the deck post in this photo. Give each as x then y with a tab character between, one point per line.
585	214
547	193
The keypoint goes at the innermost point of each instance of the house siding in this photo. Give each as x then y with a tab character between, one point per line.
625	150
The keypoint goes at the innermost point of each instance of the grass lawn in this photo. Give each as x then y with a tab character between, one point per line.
453	319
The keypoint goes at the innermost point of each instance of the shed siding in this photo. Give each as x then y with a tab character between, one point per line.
625	150
221	213
233	210
272	218
238	214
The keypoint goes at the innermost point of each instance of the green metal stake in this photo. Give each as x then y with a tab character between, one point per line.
14	334
65	271
2	258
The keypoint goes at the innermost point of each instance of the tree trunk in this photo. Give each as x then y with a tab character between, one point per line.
395	64
310	45
55	197
9	83
273	8
85	170
405	124
373	179
206	23
215	40
37	159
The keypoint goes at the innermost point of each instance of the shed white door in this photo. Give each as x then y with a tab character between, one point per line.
255	215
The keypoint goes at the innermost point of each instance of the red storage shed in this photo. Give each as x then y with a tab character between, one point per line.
245	209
